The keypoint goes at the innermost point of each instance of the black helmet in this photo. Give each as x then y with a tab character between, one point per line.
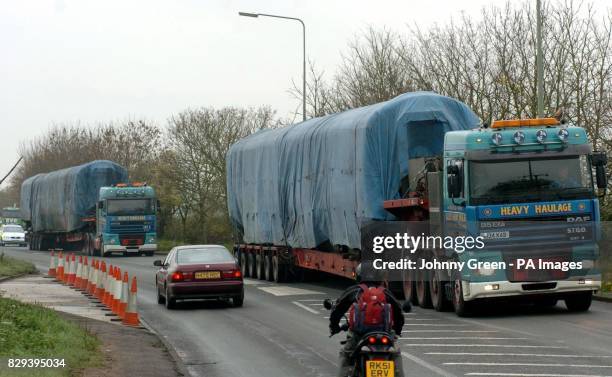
366	273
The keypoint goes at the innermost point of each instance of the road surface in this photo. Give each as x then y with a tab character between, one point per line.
282	331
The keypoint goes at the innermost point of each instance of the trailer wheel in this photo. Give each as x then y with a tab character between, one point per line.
268	273
422	289
259	266
243	265
251	265
437	289
278	270
579	302
409	287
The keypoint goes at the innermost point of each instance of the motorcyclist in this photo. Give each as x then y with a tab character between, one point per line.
371	277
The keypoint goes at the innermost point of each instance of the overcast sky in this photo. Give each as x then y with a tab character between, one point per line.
90	61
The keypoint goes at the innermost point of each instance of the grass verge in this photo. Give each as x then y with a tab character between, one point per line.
12	267
31	331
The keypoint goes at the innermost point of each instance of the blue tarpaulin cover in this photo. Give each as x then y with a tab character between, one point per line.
59	200
321	179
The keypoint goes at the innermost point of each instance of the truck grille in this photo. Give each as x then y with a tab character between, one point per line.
129	227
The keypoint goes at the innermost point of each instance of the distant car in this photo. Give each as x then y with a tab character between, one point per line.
11	234
198	272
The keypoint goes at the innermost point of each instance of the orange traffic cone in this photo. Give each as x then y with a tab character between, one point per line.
79	270
131	313
84	274
60	267
52	271
94	277
72	272
109	292
66	268
90	276
116	291
125	292
100	283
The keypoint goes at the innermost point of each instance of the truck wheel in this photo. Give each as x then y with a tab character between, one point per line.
409	287
437	289
259	266
579	302
461	307
243	265
422	289
268	267
278	270
251	265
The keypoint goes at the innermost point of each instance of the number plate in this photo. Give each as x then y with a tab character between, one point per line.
380	368
208	275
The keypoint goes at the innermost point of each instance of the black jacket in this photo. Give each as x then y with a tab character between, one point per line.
350	295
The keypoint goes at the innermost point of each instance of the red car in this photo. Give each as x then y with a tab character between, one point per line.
198	272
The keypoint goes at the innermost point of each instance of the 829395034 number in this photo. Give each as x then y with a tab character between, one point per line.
35	363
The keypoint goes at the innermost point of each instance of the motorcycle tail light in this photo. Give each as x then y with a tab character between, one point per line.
384	340
372	339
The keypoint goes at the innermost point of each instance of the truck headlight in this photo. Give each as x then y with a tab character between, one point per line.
541	136
563	135
496	138
519	137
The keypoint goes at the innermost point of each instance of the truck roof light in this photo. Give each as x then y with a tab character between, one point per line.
525	122
519	137
496	138
563	135
121	185
541	136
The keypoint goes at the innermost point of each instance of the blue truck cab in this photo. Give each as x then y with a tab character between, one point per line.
126	219
527	188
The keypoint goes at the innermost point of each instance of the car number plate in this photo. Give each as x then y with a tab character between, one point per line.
208	275
380	368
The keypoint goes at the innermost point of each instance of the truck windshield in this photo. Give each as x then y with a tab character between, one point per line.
12	229
119	207
529	180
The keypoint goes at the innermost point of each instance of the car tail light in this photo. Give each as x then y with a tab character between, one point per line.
372	339
233	274
177	276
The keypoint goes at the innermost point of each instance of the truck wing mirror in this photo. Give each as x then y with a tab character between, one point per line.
600	160
453	182
101	204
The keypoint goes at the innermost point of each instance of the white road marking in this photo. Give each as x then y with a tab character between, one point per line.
454	331
248	281
422	319
310	299
513	354
305	307
530	365
463	338
434	324
477	345
427	365
533	374
282	290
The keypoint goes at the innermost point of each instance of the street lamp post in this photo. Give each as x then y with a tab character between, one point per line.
255	15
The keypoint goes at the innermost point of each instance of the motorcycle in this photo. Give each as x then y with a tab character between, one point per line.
374	354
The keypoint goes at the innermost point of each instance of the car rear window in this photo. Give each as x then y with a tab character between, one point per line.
204	255
12	228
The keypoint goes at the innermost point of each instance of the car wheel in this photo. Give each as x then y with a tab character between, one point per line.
160	299
579	302
238	301
170	301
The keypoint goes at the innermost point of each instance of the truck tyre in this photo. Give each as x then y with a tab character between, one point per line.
259	266
579	301
461	307
268	274
409	287
279	271
422	289
437	289
251	265
243	265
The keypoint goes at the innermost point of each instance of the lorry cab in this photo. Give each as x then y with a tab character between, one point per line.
126	219
527	188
